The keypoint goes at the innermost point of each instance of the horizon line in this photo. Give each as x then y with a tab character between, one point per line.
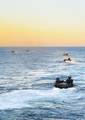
39	46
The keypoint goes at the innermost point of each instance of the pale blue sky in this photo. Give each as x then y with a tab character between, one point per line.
44	12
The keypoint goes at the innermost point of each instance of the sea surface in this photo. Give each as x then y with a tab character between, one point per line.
27	77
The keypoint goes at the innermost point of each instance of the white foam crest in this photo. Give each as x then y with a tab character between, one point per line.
71	62
22	98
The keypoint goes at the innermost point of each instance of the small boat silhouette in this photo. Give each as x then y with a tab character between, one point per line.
64	84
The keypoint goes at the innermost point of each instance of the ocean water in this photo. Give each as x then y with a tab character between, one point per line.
27	79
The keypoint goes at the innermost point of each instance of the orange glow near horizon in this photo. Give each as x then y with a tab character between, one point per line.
42	23
14	35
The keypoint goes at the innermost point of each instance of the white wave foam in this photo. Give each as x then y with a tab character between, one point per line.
71	62
22	98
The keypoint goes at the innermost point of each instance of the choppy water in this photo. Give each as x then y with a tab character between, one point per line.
26	84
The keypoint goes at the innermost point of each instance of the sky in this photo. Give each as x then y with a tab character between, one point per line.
42	22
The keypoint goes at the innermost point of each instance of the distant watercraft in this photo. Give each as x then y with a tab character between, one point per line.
65	54
27	50
13	51
67	58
